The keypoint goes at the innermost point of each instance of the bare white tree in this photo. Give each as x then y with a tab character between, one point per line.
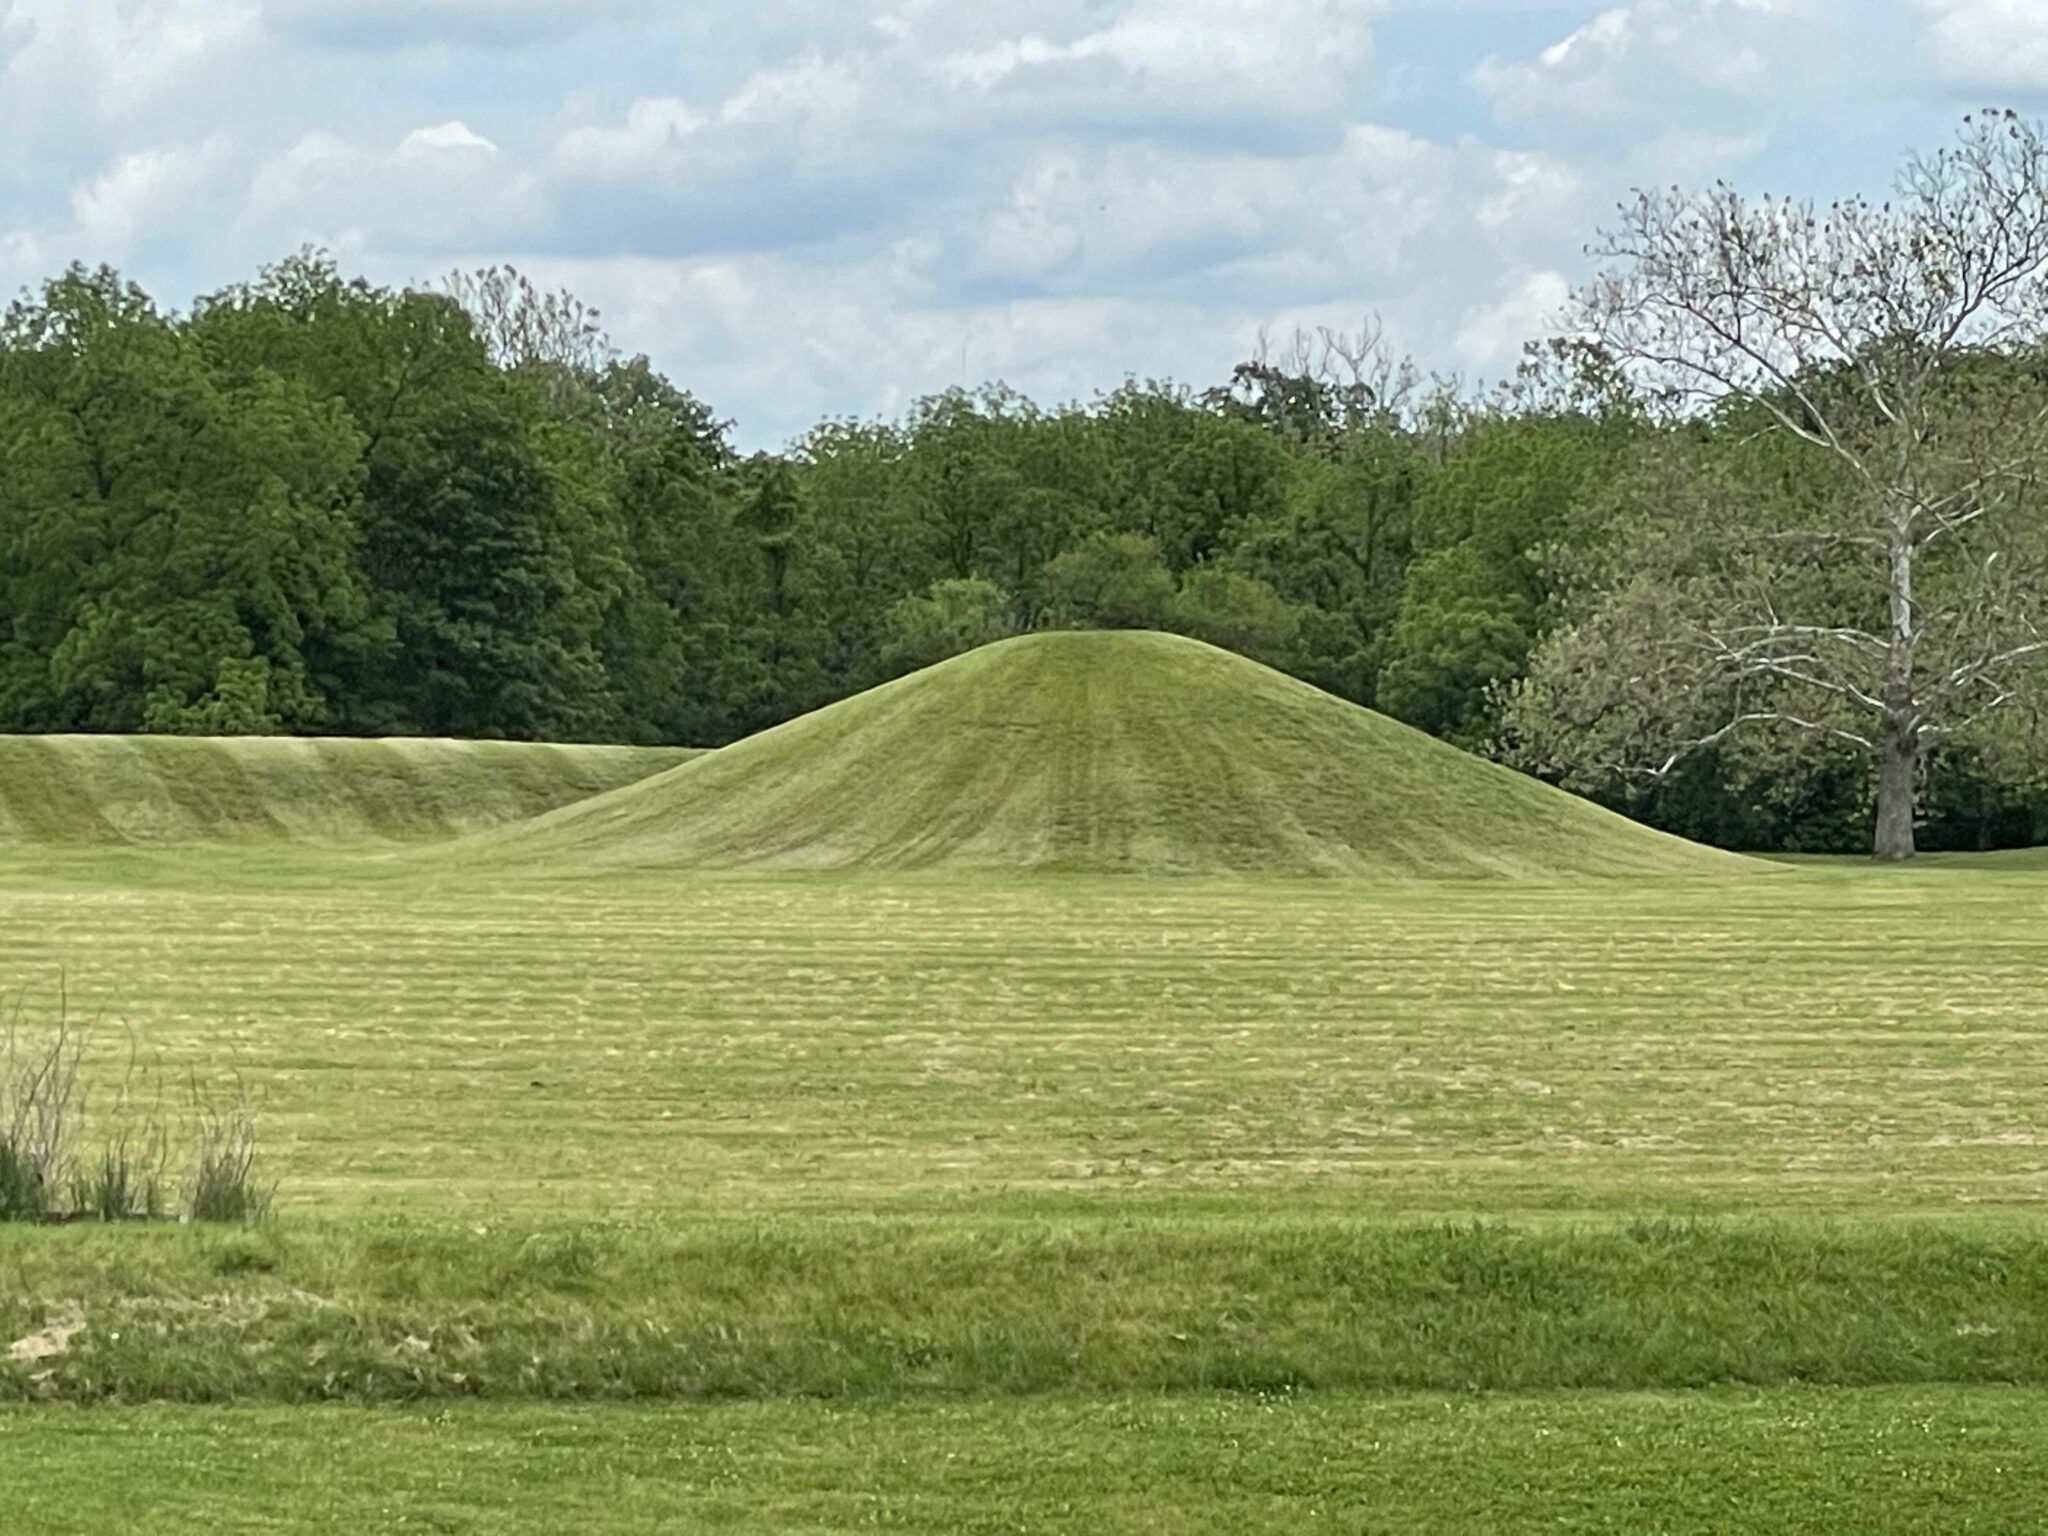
1899	348
1318	385
527	327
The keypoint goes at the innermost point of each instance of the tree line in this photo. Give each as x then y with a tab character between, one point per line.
1662	565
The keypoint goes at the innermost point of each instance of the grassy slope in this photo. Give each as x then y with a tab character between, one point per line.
1140	1139
1892	1462
1110	753
85	791
384	1312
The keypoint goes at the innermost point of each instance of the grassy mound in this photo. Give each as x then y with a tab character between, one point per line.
1103	753
86	791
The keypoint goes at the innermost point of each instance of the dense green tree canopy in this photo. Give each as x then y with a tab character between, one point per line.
313	505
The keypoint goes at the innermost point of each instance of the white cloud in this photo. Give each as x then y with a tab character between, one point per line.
640	147
1243	47
1681	89
144	194
1491	338
1998	44
805	151
821	206
127	50
443	138
74	70
438	192
871	337
1374	213
1146	259
374	26
23	263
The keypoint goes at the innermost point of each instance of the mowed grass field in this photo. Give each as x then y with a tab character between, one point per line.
636	1193
1696	1463
945	1204
1820	1040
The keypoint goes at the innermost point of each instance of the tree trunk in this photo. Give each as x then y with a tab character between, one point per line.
1898	748
1898	788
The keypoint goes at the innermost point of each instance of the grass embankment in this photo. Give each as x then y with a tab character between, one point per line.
379	1314
86	791
1103	753
1698	1464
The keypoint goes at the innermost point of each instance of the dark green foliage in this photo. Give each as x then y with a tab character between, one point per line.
174	548
1237	612
317	506
1112	581
1476	599
948	619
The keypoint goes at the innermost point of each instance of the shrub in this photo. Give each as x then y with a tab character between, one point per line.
1238	612
1109	581
951	618
125	1182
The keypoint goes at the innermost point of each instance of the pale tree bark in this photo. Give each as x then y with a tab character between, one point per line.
1898	347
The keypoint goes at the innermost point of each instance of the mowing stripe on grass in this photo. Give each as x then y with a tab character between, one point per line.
1831	1041
1105	753
155	791
1919	1461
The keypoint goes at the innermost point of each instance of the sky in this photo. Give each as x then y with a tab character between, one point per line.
804	209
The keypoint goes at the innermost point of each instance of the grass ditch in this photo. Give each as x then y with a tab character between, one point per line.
855	1309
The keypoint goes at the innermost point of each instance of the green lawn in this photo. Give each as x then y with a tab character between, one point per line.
1706	1463
950	1203
1841	1040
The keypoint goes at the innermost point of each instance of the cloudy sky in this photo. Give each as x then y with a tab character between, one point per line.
813	207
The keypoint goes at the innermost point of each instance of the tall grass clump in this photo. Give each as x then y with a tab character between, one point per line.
123	1173
124	1180
40	1099
224	1186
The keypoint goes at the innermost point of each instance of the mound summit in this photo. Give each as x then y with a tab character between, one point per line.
1099	752
112	791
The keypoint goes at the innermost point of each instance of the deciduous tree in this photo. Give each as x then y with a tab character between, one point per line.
1898	596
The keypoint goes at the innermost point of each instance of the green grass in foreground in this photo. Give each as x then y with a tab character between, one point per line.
783	1191
814	1308
1894	1461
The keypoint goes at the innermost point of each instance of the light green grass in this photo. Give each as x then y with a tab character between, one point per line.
643	1135
1933	1462
1103	753
1848	1039
67	791
941	1163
